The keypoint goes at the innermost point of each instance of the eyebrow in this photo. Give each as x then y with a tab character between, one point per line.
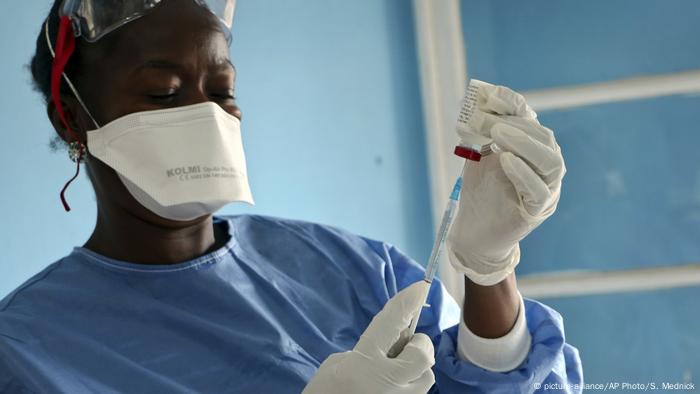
225	63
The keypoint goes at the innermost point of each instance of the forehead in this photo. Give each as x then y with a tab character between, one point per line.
176	30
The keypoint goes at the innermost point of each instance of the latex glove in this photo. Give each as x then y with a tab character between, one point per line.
367	368
505	195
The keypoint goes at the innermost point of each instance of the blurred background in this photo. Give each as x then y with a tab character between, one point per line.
349	110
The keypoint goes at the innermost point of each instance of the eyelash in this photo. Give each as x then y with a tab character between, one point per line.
225	96
164	97
171	96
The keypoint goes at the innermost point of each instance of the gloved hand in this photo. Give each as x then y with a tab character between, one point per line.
505	195
367	369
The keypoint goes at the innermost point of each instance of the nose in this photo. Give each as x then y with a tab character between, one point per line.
196	95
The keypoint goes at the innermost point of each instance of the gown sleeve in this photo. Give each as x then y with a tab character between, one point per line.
551	365
9	383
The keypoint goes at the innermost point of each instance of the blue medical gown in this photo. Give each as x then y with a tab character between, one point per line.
257	316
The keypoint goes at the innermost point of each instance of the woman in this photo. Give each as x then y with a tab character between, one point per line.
166	297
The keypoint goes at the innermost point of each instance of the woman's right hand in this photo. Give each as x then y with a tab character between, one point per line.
368	369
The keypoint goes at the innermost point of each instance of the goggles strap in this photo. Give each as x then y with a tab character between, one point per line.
65	46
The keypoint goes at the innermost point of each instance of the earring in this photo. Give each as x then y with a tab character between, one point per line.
76	152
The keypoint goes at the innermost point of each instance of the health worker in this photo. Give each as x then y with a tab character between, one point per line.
165	297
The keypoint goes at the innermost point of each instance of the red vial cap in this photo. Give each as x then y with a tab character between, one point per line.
469	154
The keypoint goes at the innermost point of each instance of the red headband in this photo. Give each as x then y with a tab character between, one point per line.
65	46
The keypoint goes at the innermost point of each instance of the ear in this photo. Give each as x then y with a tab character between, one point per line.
72	111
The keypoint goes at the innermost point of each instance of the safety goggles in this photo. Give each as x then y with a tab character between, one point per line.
92	19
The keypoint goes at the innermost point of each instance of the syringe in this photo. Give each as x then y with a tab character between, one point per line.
468	151
432	266
445	223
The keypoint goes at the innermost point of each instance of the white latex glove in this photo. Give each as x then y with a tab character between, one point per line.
367	369
505	195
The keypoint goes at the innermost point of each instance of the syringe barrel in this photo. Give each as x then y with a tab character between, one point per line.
431	268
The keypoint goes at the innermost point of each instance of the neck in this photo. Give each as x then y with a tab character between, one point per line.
124	236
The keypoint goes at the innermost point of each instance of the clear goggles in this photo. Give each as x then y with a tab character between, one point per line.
92	19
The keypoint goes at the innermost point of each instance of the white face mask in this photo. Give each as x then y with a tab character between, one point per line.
180	163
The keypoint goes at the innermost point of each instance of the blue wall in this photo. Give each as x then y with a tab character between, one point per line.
332	128
631	197
647	337
540	43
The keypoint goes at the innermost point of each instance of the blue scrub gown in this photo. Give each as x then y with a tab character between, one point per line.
258	315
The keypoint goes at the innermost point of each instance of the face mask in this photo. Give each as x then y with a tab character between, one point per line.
180	163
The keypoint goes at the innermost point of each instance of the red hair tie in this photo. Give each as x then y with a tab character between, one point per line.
65	46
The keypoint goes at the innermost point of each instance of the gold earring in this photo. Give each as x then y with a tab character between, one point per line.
76	152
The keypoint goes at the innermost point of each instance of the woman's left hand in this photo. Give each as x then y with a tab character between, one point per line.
507	194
